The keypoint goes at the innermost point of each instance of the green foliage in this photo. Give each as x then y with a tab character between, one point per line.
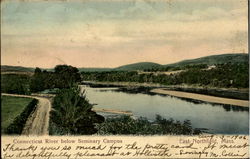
18	124
125	125
15	83
38	81
224	75
63	77
72	114
66	76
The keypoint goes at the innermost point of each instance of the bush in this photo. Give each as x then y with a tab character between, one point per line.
72	114
126	125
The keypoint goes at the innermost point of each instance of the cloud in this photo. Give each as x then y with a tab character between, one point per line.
91	34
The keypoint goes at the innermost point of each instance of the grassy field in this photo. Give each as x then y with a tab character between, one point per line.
11	107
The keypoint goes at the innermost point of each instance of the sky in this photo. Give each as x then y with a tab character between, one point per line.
111	33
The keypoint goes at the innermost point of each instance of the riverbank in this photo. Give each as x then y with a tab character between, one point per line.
121	84
113	111
206	98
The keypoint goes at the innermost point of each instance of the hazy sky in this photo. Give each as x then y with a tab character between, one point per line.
113	33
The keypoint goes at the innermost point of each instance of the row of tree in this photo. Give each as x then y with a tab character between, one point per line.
63	76
174	68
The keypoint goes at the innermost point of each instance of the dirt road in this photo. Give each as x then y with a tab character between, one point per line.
38	121
206	98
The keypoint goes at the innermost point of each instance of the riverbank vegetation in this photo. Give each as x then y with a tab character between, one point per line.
125	125
72	114
15	112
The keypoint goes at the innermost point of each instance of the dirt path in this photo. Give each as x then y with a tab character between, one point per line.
38	121
206	98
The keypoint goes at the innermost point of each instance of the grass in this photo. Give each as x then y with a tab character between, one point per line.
11	107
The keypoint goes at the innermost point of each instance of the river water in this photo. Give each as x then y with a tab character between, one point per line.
219	119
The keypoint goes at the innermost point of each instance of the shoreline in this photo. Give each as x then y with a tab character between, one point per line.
122	84
113	111
201	97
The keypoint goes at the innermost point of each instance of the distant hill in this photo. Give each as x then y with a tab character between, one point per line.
138	66
6	68
214	59
209	60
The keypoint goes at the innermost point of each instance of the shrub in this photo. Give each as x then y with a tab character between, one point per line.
72	114
125	125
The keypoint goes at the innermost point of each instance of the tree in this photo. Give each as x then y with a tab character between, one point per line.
66	76
37	81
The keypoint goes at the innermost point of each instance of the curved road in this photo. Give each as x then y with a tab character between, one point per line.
38	121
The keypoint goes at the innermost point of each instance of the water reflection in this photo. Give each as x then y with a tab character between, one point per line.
146	90
222	119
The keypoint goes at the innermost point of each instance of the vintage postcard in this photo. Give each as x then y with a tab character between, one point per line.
124	79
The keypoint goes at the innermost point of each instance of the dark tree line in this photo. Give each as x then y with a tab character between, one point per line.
175	68
223	75
63	76
15	83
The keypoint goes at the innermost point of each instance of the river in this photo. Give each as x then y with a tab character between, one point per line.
218	119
